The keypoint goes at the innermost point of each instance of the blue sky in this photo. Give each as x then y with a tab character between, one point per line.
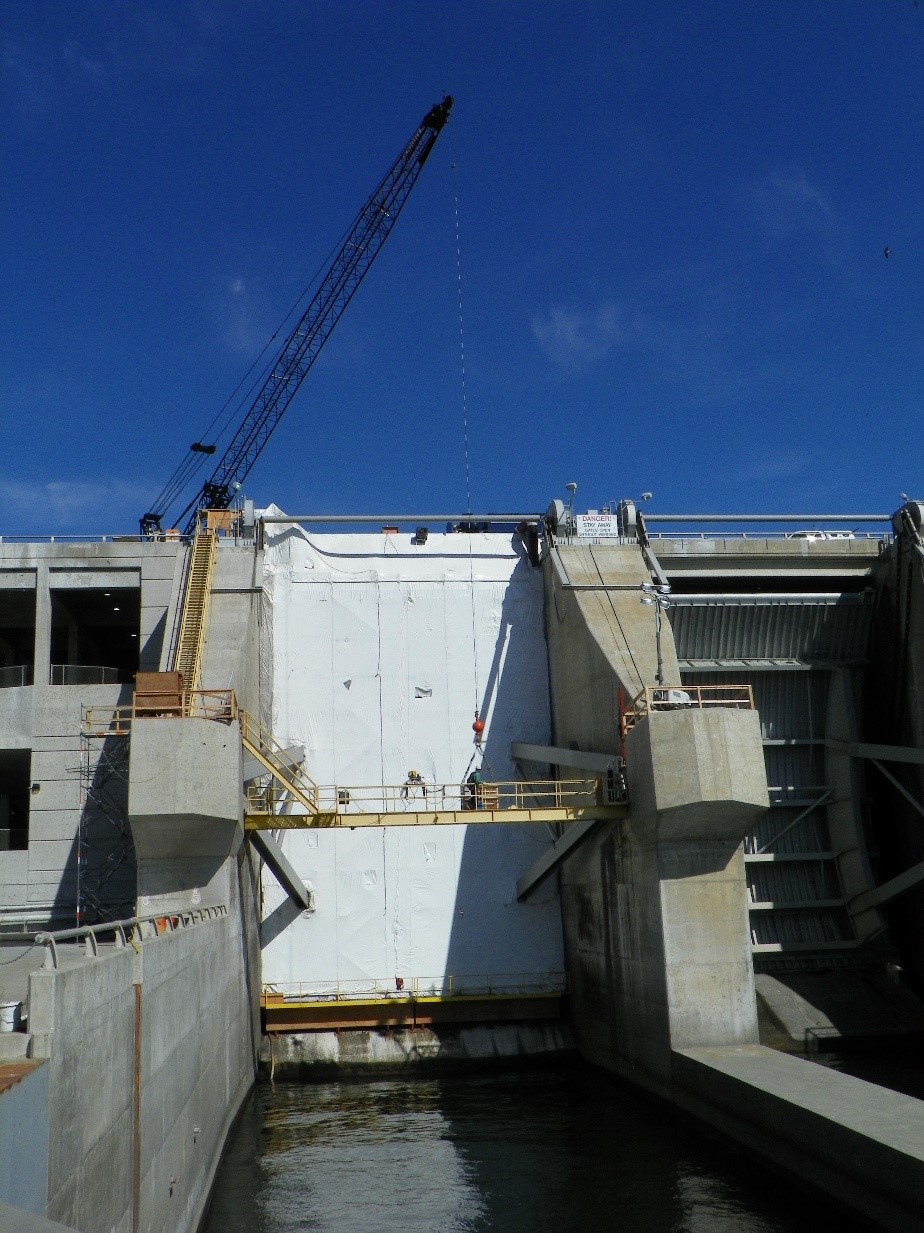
672	220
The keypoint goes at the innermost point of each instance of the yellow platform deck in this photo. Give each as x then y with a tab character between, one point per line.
254	821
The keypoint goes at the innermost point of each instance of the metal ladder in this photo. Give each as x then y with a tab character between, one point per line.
195	609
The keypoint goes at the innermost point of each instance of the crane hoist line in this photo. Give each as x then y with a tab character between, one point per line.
364	239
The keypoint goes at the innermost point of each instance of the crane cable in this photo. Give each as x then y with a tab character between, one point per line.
468	474
225	417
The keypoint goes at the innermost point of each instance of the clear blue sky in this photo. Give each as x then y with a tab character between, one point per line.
673	215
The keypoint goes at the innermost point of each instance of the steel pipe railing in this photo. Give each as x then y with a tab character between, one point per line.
135	930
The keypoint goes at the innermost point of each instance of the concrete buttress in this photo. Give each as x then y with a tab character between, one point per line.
654	908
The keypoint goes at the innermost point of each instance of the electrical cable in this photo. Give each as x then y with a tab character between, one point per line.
468	475
468	478
606	592
228	414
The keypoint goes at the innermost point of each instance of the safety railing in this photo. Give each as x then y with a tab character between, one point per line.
82	674
15	676
421	796
684	698
196	602
124	933
502	984
216	704
290	779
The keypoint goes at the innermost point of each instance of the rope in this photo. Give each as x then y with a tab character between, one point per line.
468	474
468	477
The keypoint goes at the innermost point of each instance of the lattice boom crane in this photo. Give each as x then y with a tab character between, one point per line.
365	238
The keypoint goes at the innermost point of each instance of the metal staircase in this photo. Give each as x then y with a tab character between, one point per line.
274	758
195	609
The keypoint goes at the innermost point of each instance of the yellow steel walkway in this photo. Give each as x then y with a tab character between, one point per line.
419	804
437	817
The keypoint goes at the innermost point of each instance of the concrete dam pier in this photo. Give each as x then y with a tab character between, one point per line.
346	801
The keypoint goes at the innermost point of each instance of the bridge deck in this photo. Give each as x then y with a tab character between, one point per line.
254	821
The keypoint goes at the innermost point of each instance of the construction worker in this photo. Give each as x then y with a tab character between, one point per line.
475	782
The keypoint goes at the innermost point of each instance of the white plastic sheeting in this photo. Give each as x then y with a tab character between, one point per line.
380	652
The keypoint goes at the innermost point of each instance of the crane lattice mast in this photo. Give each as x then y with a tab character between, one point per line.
365	238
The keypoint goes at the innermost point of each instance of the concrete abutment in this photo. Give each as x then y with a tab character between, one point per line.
655	912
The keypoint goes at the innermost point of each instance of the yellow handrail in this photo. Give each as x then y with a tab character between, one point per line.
686	697
194	621
424	797
215	704
273	757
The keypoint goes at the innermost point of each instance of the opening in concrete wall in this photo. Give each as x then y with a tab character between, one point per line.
94	636
15	767
17	637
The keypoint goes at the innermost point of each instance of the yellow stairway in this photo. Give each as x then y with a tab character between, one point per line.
195	609
273	757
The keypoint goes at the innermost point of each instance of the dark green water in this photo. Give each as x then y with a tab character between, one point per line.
566	1152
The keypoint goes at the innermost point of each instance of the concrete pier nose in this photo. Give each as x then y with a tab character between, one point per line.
696	774
185	806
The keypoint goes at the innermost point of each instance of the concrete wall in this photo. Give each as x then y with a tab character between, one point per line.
172	1022
185	805
654	910
310	1056
42	882
601	639
231	653
861	1144
82	1021
197	1066
24	1122
656	921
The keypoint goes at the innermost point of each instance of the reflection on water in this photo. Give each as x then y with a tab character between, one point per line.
566	1152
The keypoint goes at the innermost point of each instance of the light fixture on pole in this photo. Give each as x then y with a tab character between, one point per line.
572	489
657	597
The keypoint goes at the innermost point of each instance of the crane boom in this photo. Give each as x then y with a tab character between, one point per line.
365	238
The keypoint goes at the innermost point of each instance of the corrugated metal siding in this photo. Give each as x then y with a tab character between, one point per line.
809	628
792	706
792	882
800	928
776	834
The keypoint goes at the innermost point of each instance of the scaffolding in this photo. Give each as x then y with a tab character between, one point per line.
105	851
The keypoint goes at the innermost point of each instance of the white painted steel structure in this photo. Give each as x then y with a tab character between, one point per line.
380	650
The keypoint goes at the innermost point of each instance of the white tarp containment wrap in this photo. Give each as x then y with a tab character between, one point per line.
382	650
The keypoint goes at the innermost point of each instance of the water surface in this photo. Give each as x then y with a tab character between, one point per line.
520	1152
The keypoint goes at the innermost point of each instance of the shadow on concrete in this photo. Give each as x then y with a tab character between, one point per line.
99	878
494	856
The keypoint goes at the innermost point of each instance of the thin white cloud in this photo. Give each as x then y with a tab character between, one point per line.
70	506
245	329
577	337
777	465
76	58
29	84
788	206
